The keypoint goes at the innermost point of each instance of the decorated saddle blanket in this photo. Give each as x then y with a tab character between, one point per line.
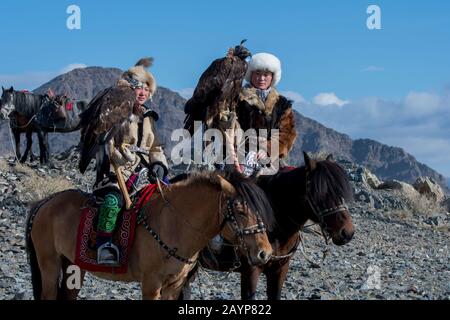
86	252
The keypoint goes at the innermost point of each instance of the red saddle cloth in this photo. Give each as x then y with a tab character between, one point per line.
86	252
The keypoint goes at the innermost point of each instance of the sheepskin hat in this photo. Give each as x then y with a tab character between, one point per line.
265	62
140	75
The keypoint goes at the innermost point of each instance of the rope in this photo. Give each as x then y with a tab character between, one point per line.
12	143
307	258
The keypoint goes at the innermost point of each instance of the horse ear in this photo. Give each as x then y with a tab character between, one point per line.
330	158
309	163
11	89
226	186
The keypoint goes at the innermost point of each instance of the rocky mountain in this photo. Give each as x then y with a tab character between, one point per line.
385	161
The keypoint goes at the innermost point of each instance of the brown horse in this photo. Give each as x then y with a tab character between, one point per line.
315	192
185	216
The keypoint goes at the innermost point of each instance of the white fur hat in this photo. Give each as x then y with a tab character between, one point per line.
267	62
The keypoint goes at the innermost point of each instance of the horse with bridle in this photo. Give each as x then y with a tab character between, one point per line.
176	224
20	108
28	112
316	191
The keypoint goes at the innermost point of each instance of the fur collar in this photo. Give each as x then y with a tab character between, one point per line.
250	96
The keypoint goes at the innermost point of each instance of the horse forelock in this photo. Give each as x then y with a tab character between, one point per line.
246	188
254	197
329	183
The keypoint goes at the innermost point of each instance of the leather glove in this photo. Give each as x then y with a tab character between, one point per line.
157	171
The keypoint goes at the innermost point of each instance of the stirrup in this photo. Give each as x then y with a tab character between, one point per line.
112	259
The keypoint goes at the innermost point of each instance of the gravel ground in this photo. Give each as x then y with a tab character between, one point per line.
392	256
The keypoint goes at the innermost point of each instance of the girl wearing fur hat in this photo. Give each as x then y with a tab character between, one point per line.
262	107
141	134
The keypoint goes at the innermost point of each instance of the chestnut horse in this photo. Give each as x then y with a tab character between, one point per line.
185	216
317	192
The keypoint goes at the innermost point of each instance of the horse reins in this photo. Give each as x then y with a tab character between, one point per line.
229	217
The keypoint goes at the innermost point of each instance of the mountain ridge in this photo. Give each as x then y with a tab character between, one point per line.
385	161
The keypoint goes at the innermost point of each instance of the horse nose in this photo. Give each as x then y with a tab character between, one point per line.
263	256
347	235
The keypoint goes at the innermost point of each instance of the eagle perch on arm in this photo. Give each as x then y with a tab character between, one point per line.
106	120
217	91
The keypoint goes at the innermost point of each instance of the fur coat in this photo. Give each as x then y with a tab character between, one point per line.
275	113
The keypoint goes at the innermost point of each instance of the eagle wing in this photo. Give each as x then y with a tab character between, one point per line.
106	117
221	82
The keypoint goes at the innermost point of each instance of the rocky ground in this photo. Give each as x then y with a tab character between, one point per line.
400	249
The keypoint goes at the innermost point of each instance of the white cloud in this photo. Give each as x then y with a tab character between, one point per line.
186	92
419	123
294	96
73	66
373	69
328	99
422	103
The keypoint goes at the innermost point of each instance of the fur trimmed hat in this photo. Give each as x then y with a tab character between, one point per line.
139	75
266	62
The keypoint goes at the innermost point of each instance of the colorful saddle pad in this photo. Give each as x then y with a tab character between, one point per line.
86	252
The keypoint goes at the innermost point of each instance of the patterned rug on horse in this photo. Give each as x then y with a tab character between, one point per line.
86	252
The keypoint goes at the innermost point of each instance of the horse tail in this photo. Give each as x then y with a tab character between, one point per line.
31	252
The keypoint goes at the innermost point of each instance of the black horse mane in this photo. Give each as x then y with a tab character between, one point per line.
27	103
249	191
329	183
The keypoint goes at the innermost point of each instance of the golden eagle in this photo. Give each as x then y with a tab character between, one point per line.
217	90
107	117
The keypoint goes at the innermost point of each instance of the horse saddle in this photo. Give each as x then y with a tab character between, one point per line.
123	236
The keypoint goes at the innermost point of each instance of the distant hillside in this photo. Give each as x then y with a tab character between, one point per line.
385	161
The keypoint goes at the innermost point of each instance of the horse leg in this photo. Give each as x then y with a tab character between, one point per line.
42	146
16	133
275	281
151	287
249	282
29	136
50	269
64	292
185	293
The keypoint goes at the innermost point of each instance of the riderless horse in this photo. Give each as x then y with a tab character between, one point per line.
28	113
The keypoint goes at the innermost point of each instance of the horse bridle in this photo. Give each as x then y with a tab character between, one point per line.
321	214
229	217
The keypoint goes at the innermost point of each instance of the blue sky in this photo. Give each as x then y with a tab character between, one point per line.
395	81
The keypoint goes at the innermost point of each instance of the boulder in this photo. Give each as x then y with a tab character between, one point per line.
429	188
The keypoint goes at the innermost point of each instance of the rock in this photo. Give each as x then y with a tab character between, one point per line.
429	188
390	185
370	179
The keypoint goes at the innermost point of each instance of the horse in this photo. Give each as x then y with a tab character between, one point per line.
185	216
20	109
316	191
42	114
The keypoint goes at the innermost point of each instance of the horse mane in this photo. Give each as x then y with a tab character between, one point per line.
246	188
27	103
329	182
